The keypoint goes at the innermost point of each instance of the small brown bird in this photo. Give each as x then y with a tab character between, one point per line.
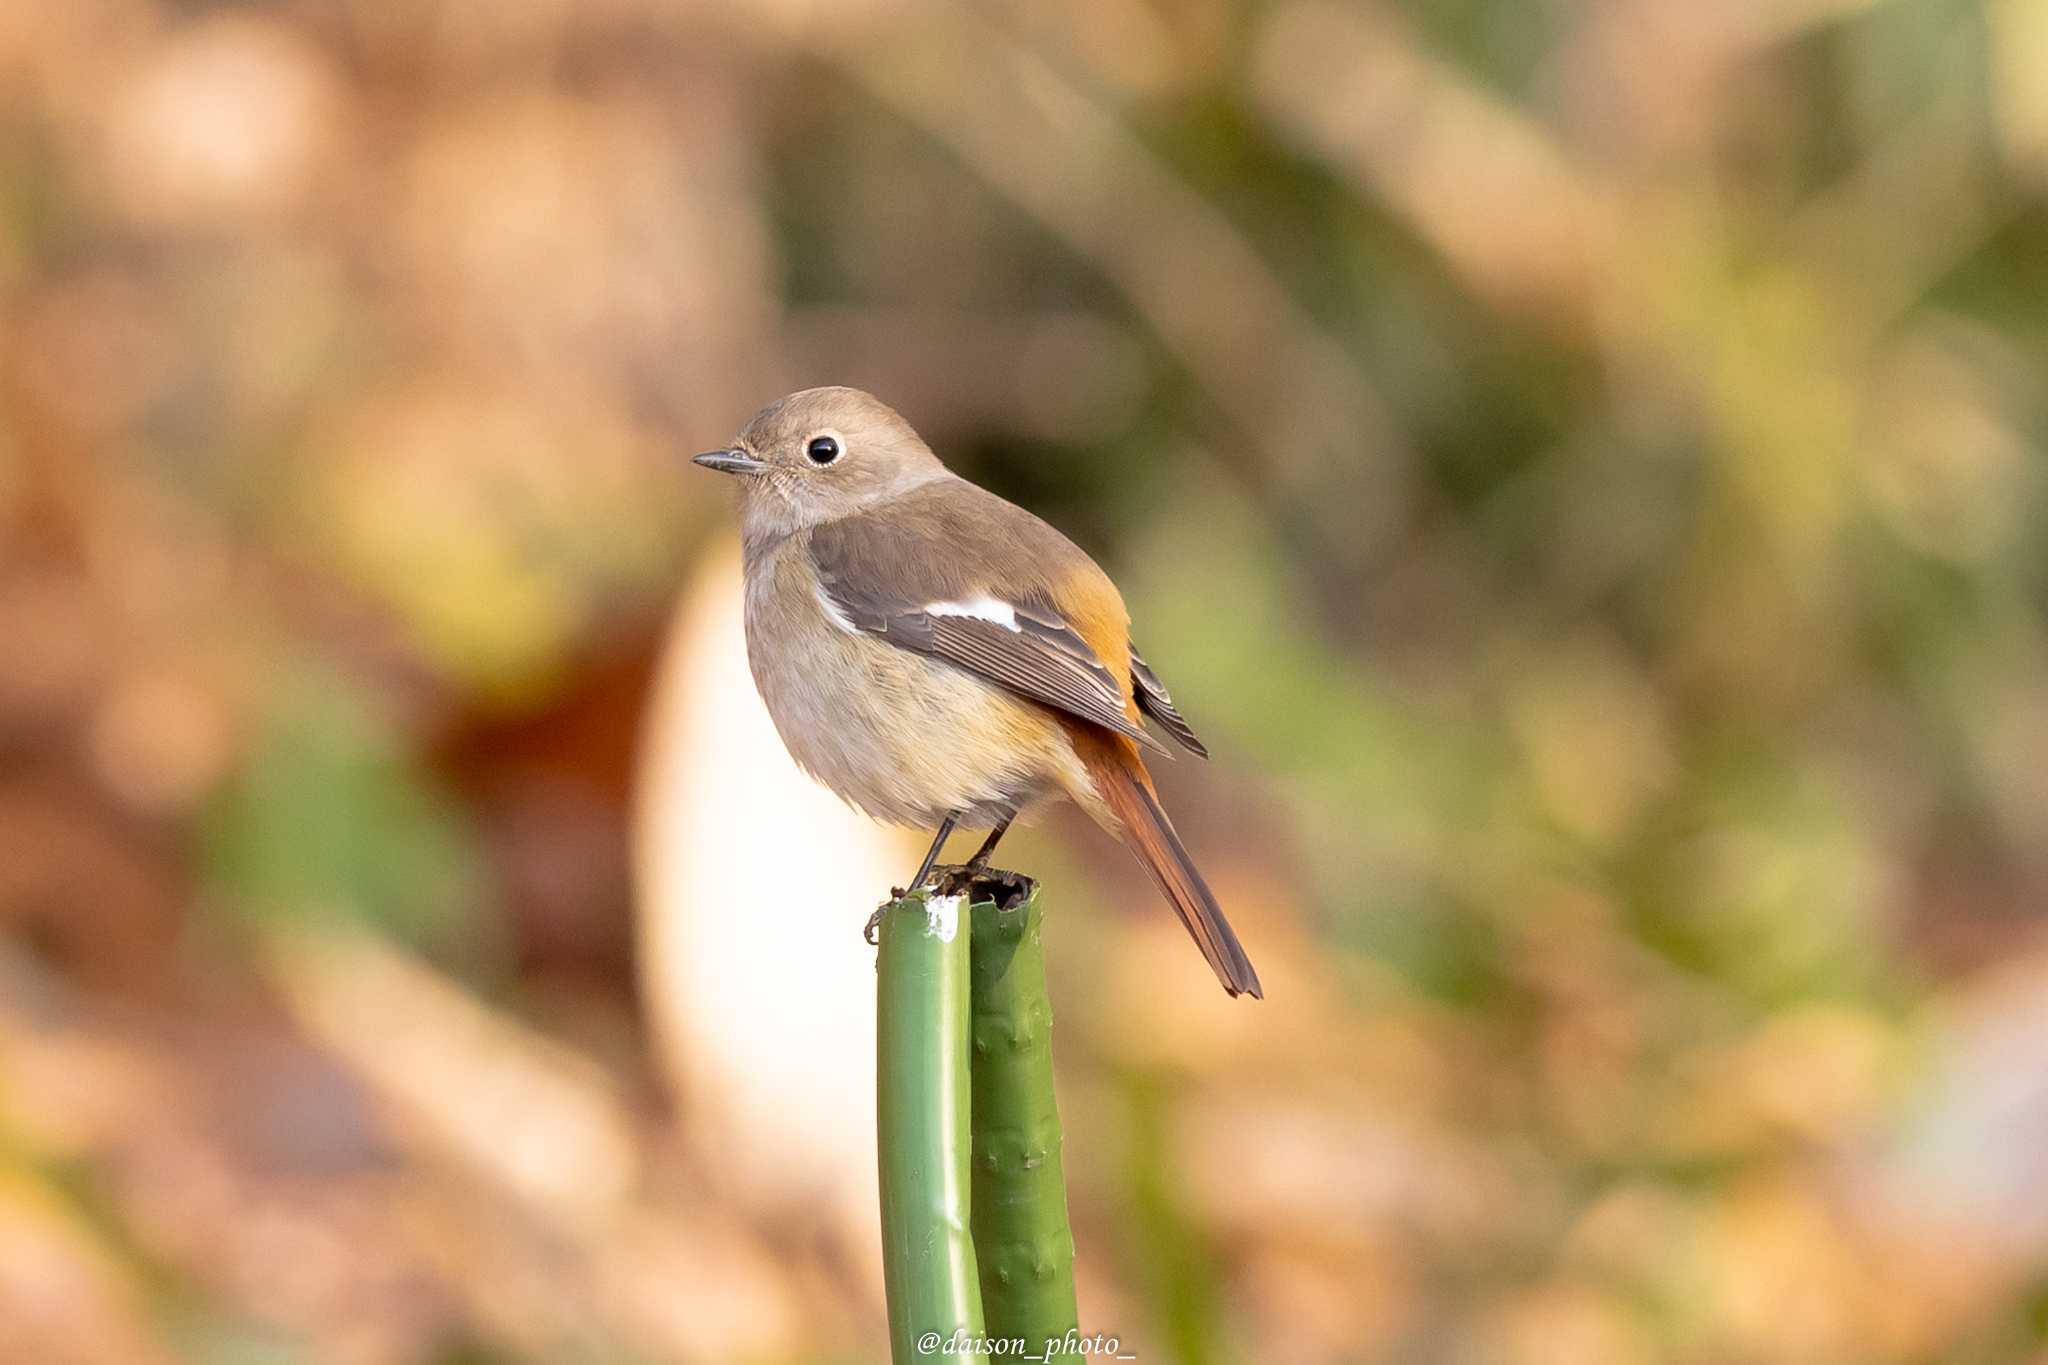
938	656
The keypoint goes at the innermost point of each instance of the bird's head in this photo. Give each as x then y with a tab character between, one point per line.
818	455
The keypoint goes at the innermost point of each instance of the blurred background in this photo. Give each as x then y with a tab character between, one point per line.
1578	463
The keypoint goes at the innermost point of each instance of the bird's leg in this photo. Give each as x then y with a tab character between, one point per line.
931	855
988	845
873	932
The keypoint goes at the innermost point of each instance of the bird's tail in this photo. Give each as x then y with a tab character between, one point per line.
1126	788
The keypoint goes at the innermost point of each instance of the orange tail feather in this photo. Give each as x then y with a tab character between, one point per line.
1126	788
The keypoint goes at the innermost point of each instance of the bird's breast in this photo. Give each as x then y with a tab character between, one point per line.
903	737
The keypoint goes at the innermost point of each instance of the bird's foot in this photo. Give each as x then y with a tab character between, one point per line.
872	933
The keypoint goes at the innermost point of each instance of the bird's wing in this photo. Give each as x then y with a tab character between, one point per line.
1156	702
888	580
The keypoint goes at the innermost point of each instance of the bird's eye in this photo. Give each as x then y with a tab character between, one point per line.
822	449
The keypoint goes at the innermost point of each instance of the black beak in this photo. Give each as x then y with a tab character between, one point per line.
729	462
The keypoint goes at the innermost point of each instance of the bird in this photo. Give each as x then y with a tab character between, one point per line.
938	656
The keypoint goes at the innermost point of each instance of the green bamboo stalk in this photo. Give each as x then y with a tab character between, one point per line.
1021	1236
922	1105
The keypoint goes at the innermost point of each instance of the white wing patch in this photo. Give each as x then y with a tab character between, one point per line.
982	608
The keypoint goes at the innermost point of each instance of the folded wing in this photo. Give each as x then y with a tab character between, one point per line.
1022	643
1154	701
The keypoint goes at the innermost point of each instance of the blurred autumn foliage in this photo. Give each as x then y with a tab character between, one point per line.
1579	464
